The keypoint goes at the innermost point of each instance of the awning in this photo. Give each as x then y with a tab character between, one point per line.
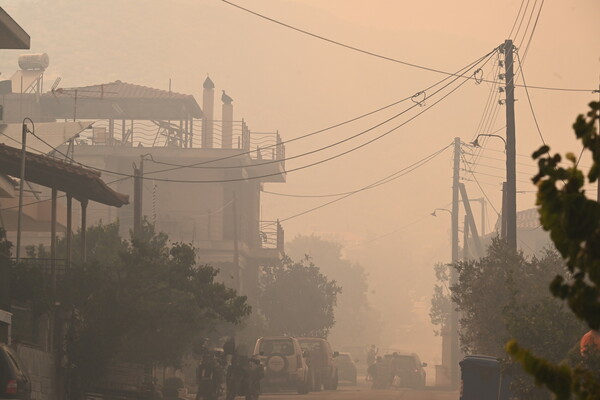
12	36
81	183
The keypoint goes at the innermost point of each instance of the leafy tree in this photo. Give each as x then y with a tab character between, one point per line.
502	296
297	299
144	301
573	221
352	312
441	303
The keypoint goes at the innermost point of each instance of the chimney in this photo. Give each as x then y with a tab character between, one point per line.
227	116
208	104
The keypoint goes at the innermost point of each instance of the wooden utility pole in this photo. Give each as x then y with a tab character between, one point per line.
511	178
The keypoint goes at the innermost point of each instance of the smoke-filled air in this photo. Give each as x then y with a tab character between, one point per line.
281	199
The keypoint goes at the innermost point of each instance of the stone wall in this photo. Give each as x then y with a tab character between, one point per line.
41	366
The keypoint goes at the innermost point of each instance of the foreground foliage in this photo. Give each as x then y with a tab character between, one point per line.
573	221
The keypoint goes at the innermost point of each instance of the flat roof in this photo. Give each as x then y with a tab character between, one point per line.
12	36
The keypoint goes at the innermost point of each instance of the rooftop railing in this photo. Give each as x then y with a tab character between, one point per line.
195	133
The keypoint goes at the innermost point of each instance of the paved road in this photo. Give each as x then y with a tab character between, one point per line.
362	392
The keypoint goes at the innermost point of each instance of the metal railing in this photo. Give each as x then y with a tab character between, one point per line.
43	264
194	133
271	235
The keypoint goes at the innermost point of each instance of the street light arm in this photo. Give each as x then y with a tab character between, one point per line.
476	141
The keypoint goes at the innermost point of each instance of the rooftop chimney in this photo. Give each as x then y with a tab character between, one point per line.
227	116
208	104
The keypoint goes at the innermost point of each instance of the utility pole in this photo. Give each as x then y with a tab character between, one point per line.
453	321
511	179
138	192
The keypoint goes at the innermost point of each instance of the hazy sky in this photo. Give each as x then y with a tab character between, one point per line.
282	80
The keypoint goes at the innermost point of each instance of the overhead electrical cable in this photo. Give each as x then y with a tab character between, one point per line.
481	189
460	73
426	108
516	19
387	179
379	182
371	53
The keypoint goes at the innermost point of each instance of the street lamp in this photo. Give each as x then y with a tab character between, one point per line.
433	214
476	141
24	132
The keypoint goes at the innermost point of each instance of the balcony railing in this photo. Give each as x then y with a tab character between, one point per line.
185	134
45	265
271	235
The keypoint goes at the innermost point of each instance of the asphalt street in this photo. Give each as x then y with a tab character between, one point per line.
363	392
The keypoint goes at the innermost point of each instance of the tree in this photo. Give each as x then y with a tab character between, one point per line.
502	296
144	301
573	221
296	299
441	303
352	312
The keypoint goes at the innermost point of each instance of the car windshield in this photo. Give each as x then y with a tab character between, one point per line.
285	347
310	345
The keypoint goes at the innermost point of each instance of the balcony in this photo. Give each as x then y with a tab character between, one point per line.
192	134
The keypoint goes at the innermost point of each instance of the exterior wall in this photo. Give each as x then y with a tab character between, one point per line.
42	371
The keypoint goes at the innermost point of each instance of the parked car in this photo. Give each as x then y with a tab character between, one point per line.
322	366
14	380
284	363
346	368
408	370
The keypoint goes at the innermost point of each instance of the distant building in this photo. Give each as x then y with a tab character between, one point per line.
214	204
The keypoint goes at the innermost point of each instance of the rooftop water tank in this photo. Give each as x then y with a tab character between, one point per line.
34	61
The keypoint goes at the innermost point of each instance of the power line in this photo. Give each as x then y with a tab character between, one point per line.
380	182
529	100
390	178
480	188
516	19
460	73
373	54
323	160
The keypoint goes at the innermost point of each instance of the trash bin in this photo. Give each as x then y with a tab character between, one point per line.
482	379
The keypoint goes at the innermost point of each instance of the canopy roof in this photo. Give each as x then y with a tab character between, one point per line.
12	36
119	100
81	183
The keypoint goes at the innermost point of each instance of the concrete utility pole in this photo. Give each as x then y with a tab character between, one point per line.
454	345
138	192
511	178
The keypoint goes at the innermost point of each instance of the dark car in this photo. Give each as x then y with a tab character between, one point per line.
408	370
346	368
14	380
